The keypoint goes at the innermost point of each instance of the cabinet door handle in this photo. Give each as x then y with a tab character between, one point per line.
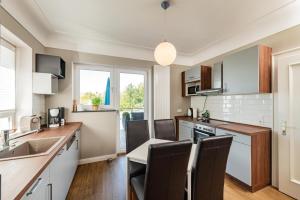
77	144
61	152
50	190
34	187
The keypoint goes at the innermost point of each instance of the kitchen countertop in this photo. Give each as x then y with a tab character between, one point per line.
19	174
230	126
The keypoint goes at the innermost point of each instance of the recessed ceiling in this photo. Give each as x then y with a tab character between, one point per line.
191	25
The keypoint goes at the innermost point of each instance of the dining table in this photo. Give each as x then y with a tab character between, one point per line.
140	155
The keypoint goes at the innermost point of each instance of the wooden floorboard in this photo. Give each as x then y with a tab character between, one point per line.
107	181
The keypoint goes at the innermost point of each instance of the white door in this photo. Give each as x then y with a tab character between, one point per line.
289	123
131	100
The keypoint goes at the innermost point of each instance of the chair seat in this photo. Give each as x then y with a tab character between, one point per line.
136	169
137	184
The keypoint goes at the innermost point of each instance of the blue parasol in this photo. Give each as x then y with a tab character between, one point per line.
107	92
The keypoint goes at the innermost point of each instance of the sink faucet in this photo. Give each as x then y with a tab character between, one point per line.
5	138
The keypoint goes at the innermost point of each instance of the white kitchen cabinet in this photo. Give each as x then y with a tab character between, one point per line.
44	83
63	167
193	74
186	130
239	158
56	179
40	189
248	71
58	170
239	162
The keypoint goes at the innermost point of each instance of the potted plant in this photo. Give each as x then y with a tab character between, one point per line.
96	101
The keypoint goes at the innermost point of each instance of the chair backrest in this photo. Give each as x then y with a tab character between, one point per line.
208	172
165	129
137	133
166	170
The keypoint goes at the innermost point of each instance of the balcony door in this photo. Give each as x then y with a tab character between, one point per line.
131	101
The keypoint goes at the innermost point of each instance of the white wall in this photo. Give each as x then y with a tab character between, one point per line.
249	109
99	131
161	92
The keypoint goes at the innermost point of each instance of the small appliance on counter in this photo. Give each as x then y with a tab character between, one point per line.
195	112
190	112
30	123
56	117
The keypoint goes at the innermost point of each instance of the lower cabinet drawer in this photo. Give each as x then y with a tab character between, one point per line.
241	138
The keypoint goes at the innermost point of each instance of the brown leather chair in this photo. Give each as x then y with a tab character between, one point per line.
208	172
137	133
165	129
166	172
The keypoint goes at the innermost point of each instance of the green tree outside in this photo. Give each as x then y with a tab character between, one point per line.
132	97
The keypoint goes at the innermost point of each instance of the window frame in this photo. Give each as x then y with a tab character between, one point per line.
10	113
76	90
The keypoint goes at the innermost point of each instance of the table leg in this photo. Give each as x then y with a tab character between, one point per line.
189	185
128	190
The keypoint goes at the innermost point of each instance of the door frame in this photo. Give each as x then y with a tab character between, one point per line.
147	96
284	64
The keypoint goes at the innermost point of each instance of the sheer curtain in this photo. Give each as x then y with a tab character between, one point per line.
7	84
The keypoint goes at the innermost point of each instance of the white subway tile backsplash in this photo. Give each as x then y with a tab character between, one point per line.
254	109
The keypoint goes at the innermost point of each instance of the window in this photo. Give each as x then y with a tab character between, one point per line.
7	84
94	86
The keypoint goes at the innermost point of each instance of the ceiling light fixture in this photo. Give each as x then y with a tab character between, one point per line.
165	52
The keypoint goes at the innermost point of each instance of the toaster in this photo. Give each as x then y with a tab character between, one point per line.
30	123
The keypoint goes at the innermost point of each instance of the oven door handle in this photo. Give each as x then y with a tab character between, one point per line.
199	132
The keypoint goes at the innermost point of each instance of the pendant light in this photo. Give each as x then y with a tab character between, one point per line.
165	52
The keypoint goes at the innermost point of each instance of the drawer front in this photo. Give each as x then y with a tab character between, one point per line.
237	137
186	123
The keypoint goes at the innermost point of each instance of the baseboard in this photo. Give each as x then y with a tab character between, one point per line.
97	159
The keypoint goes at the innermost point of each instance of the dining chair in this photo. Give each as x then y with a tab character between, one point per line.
137	133
165	174
208	170
165	129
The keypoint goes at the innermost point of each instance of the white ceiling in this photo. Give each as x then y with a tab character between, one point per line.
192	25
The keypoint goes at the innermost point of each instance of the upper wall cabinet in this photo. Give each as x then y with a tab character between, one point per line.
43	83
194	78
50	64
248	71
193	74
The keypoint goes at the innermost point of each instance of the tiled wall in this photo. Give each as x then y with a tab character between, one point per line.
249	109
38	106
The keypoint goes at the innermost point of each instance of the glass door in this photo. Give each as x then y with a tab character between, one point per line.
132	102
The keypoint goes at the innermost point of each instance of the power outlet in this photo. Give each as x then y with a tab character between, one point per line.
179	110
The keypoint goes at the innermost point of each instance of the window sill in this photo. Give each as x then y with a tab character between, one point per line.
101	110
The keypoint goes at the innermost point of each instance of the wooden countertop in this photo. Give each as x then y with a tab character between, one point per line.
231	126
19	174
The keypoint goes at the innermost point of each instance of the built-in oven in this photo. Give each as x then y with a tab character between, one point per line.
202	131
193	89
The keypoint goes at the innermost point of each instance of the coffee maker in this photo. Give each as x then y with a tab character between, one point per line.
56	117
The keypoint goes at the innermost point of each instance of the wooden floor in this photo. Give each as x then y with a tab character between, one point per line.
107	181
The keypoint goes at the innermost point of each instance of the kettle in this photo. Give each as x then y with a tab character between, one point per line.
30	123
190	112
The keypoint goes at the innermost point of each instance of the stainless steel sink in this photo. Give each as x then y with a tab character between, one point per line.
30	148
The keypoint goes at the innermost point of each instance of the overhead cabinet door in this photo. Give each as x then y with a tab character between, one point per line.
193	74
241	72
248	71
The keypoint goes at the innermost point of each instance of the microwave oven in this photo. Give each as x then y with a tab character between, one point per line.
193	90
